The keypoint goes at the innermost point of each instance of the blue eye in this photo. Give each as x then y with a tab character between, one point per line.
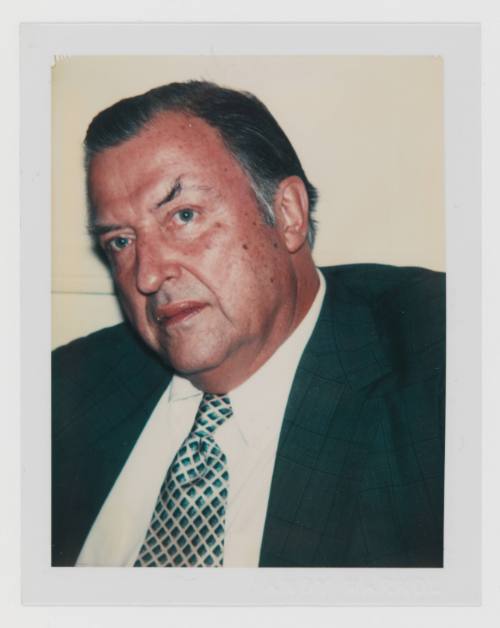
185	215
119	243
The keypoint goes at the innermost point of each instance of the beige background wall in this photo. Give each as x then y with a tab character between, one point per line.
368	130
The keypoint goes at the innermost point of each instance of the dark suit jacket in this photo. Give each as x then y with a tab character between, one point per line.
359	471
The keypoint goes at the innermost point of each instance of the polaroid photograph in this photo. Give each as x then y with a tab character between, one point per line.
257	257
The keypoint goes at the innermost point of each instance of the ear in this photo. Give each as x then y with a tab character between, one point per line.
291	208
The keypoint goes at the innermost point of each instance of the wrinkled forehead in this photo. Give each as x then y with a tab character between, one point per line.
178	133
169	146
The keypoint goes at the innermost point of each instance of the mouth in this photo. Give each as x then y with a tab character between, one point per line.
175	313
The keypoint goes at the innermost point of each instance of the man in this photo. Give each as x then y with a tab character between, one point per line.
253	411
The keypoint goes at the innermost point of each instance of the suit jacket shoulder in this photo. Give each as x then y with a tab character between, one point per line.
109	359
408	308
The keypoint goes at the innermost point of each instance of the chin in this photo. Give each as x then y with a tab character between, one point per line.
187	365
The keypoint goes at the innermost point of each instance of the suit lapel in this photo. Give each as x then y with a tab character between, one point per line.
138	383
324	437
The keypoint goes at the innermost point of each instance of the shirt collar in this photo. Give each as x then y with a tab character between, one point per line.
181	388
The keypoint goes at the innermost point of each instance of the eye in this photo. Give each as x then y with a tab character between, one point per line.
185	215
118	244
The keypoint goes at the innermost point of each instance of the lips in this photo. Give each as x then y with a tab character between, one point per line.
174	313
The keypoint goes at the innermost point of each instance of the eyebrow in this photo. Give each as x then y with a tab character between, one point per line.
98	230
175	190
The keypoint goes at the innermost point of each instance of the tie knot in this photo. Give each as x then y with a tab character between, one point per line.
213	411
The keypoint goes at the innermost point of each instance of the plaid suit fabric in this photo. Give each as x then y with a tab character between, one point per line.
359	471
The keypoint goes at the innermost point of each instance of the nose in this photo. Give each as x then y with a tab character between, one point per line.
156	262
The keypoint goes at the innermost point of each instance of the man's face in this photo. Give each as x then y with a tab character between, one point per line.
205	282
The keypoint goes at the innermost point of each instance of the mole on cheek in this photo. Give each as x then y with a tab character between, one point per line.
245	246
272	279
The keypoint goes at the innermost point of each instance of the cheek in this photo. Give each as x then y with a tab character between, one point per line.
251	278
124	285
260	252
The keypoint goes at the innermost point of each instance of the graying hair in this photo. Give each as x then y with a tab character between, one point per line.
247	128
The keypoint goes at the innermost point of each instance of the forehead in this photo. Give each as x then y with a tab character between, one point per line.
171	140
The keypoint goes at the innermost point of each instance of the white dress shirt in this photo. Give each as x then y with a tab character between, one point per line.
249	440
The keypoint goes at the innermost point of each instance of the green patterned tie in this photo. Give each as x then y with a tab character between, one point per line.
187	526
